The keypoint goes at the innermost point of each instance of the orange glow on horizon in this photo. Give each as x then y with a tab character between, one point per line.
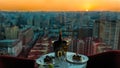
60	5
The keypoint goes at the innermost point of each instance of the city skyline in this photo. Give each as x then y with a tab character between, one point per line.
60	5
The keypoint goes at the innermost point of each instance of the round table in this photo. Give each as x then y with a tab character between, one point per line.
64	62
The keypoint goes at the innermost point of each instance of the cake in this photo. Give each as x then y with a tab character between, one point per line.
48	59
77	57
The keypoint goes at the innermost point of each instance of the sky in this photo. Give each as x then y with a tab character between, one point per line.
60	5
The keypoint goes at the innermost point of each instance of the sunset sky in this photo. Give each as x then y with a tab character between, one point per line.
60	5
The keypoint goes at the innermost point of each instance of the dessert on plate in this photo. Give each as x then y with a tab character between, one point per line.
48	59
77	57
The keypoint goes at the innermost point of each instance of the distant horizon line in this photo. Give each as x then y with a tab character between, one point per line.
58	11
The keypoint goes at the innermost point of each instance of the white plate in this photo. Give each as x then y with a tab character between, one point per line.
70	59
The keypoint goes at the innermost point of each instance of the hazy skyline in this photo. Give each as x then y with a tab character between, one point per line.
60	5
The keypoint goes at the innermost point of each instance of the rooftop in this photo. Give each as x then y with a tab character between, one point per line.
8	43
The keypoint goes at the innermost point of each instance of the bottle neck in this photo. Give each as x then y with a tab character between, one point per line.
60	37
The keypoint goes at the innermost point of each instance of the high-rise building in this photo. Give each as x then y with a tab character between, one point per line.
36	21
87	46
10	47
2	30
108	30
30	21
117	34
26	35
103	48
99	27
11	32
88	50
80	46
73	45
119	42
99	47
84	46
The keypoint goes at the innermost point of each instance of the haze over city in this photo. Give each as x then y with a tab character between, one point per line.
60	5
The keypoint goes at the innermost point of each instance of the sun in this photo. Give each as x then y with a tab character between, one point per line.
88	6
86	9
